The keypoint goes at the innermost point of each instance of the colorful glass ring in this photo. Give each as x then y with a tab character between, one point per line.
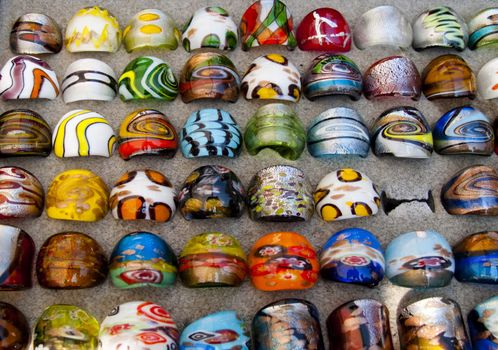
280	193
142	259
138	325
28	77
346	194
35	34
394	76
324	29
17	250
330	75
211	192
210	27
448	76
420	259
283	261
212	259
66	327
219	331
71	260
89	79
93	29
287	324
151	28
211	132
147	77
402	132
483	28
464	130
78	195
487	79
476	258
272	77
143	195
440	27
15	328
353	256
267	22
147	132
360	324
24	132
21	194
482	324
471	191
338	131
275	126
209	75
83	133
432	322
383	26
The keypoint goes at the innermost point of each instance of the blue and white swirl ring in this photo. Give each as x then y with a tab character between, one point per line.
464	130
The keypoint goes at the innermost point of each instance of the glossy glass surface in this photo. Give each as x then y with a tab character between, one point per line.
24	132
71	260
448	76
21	194
360	324
402	132
337	132
419	259
142	259
471	191
35	34
147	77
283	261
324	29
353	255
330	75
287	324
440	27
66	327
434	323
346	194
77	194
15	330
212	259
383	26
151	28
464	130
222	330
93	29
394	76
267	22
280	193
209	75
483	324
89	79
143	195
83	133
17	250
211	132
147	132
275	126
476	258
272	77
210	27
28	77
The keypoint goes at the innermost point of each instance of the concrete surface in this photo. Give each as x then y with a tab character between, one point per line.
401	178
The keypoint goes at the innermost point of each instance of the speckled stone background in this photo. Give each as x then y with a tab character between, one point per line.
399	177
